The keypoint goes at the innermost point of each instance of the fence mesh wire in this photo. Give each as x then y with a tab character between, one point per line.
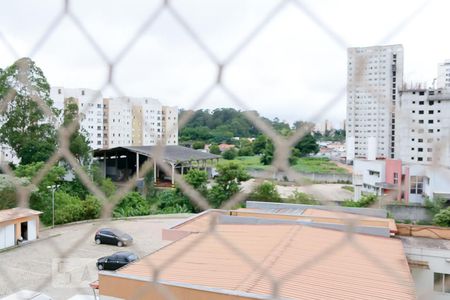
282	144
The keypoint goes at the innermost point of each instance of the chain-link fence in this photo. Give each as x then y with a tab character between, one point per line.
282	144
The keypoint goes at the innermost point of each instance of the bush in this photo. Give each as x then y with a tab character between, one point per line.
267	191
301	198
442	218
246	151
67	208
229	154
435	205
172	202
214	149
365	201
133	204
198	145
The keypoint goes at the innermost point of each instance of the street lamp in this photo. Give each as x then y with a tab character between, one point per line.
53	188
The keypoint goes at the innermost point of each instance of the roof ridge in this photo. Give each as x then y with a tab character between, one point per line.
256	276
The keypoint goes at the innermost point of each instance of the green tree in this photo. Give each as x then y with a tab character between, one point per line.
8	193
230	154
198	145
259	145
197	179
79	143
245	151
172	202
266	191
227	183
26	128
267	153
307	145
214	149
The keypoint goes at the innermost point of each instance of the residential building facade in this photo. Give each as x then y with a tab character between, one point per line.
374	77
121	121
423	127
443	79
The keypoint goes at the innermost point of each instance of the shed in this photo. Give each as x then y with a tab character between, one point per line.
18	224
121	163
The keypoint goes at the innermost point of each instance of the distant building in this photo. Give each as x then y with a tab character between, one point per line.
374	77
323	126
423	127
397	180
443	79
120	121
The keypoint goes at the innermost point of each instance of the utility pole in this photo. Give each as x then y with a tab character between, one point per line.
53	188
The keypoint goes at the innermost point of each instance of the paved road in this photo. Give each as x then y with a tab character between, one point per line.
39	265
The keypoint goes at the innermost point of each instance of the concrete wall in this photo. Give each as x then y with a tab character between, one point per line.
136	288
316	177
413	213
424	277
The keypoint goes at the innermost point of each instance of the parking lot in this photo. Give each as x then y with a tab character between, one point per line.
62	263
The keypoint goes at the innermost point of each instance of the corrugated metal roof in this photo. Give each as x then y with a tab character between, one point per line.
345	273
16	213
172	153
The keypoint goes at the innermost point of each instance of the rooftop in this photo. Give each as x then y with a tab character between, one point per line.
17	213
172	153
286	252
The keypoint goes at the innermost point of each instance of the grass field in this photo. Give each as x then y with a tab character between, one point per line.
305	165
318	165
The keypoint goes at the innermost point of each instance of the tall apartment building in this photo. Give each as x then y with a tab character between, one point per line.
90	107
374	77
423	126
120	121
443	79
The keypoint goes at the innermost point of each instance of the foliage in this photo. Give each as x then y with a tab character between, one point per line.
214	149
54	175
337	135
229	154
198	145
26	129
70	208
317	165
442	218
435	205
227	183
259	144
133	204
266	191
307	145
268	153
197	179
246	151
301	198
365	201
218	126
79	143
107	186
171	202
8	195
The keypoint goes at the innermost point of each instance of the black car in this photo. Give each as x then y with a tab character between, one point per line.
112	237
115	261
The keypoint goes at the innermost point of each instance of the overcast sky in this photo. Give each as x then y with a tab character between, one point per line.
291	70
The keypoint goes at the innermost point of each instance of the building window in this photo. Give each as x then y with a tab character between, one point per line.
442	283
416	185
395	177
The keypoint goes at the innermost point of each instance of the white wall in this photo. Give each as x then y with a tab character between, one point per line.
424	278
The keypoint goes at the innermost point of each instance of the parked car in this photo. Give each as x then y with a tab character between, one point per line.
115	261
112	237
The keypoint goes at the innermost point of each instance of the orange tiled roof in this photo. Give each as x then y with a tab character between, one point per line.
343	273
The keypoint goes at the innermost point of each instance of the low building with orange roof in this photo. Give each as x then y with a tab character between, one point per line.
258	261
